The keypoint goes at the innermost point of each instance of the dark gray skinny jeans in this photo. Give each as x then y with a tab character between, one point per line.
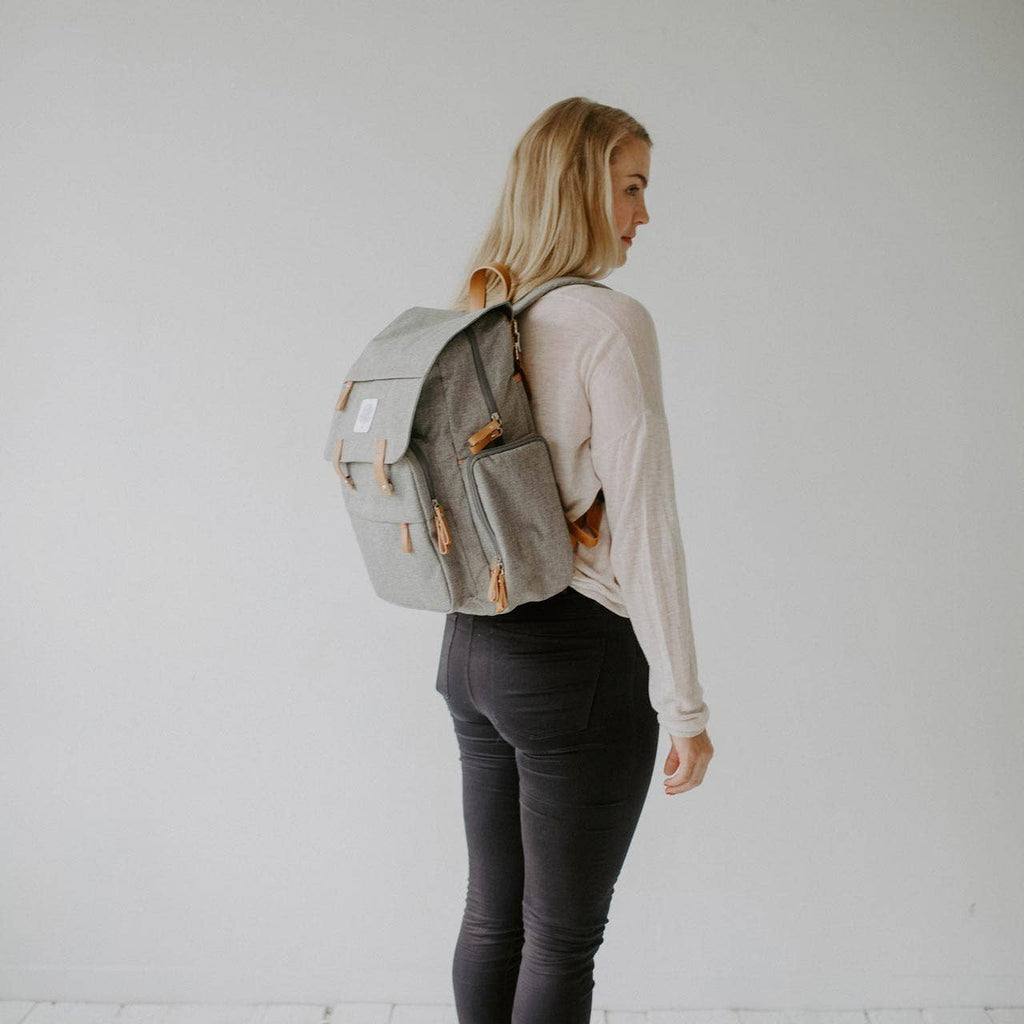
557	740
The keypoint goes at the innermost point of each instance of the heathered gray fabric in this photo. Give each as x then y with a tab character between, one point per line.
537	559
413	579
525	301
421	374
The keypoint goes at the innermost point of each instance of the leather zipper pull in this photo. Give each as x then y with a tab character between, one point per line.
497	591
485	435
444	537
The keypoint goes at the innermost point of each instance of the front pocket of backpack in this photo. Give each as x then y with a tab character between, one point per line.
395	534
519	517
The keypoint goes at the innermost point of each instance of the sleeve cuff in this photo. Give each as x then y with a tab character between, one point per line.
685	726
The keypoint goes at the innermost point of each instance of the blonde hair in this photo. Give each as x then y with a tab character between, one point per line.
555	215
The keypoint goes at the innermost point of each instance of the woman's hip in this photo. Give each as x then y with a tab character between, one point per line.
562	670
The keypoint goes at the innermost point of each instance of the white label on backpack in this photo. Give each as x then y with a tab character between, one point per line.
365	415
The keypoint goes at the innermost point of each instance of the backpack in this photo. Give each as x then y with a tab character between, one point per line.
449	488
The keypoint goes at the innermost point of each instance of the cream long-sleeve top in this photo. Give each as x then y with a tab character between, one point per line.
592	361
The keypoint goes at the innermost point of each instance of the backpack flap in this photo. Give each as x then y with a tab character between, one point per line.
382	389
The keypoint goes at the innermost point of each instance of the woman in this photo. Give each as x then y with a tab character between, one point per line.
557	703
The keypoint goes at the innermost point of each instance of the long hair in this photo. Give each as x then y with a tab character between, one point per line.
555	215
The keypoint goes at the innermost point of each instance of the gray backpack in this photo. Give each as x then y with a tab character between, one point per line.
449	488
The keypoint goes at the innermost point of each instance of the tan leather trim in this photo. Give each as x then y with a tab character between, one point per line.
378	466
586	529
481	438
406	538
497	588
444	535
343	397
478	283
336	463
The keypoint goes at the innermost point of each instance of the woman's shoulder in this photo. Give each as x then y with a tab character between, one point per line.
606	332
601	306
605	317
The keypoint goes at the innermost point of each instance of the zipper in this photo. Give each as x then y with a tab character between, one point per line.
444	536
497	591
485	385
478	505
507	446
517	349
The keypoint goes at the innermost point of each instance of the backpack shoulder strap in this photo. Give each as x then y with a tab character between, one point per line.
542	289
586	528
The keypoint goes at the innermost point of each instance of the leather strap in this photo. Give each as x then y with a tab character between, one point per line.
343	397
478	284
378	466
590	520
336	463
481	438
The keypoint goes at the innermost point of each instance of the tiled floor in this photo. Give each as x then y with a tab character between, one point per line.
386	1013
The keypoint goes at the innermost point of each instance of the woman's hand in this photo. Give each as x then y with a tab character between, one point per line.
687	762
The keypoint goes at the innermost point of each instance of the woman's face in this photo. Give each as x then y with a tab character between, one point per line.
630	171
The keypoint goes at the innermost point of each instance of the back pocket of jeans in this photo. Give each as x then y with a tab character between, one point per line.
544	686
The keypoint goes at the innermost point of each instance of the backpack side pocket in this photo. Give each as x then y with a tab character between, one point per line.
519	518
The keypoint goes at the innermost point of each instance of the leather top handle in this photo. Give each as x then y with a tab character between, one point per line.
478	284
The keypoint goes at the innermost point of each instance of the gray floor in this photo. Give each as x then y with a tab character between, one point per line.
386	1013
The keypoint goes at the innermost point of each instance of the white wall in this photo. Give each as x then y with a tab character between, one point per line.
225	771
